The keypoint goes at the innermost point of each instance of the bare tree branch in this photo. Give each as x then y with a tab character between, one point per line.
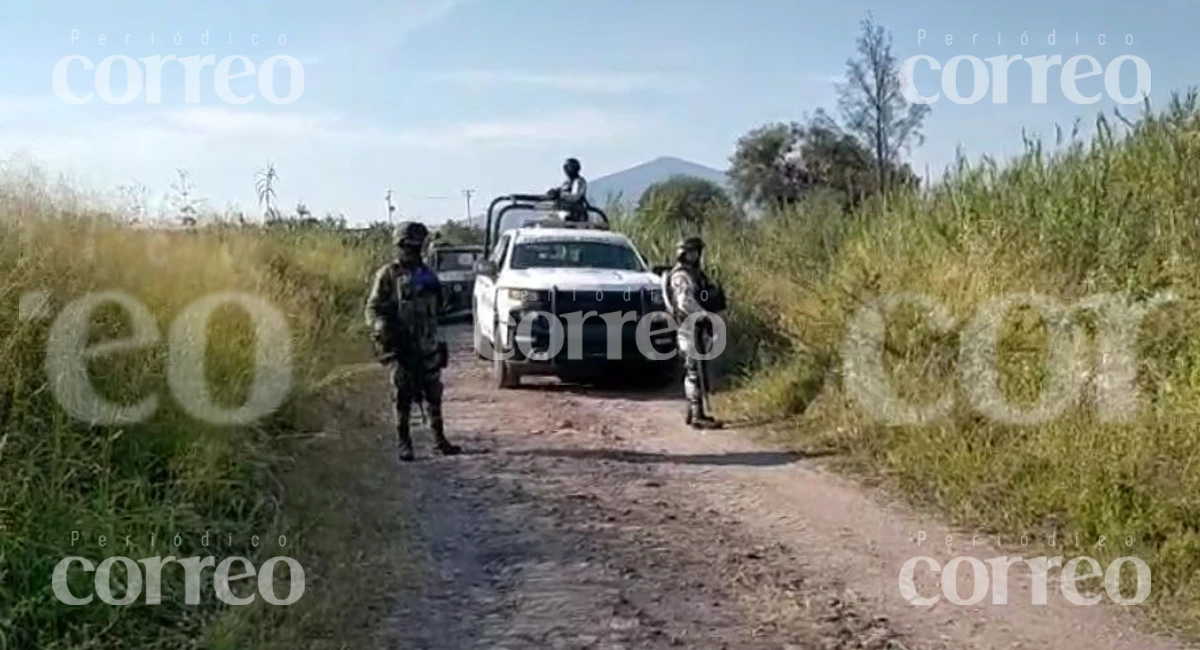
871	103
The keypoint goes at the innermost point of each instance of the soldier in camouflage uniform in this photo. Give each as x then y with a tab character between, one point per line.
571	196
690	291
402	312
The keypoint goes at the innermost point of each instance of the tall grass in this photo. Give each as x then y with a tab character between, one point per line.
171	474
1119	213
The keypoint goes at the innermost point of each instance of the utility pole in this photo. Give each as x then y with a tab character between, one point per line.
467	194
391	208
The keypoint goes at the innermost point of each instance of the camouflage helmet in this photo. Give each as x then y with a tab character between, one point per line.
572	166
411	234
687	244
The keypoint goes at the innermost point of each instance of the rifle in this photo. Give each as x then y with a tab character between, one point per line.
393	345
387	354
703	345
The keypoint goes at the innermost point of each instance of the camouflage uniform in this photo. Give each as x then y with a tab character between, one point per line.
571	196
686	283
402	312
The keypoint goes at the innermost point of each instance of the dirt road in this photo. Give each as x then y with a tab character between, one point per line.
584	519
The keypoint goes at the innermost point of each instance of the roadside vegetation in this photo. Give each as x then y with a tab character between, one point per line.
140	484
1116	213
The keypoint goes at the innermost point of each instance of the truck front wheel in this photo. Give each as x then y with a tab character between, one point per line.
479	340
504	373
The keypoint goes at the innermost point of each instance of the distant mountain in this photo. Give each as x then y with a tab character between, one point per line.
629	184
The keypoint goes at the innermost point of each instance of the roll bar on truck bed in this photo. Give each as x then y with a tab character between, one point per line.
520	202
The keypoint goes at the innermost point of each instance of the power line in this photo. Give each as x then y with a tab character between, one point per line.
420	197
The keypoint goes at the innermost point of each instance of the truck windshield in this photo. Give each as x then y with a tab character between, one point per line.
576	255
457	260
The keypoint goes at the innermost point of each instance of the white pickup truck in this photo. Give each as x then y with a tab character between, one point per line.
594	283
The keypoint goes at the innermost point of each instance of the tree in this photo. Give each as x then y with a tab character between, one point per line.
334	222
835	159
456	234
684	202
872	106
762	166
778	164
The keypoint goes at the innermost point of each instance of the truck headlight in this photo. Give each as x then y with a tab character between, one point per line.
527	296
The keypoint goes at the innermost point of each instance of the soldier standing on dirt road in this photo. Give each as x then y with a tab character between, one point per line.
402	312
690	291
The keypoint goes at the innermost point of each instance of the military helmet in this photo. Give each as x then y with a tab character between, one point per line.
572	166
686	244
412	234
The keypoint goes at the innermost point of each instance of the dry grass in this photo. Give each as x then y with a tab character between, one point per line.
171	473
1117	214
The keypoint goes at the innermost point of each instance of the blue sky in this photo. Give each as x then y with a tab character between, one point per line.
431	96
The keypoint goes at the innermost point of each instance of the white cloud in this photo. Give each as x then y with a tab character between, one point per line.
29	117
220	120
587	82
221	145
19	107
579	126
328	159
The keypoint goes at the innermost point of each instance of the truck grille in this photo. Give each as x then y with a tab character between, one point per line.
601	302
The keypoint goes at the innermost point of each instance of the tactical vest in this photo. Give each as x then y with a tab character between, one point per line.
708	293
418	296
578	211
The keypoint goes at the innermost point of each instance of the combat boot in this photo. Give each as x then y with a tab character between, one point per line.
443	445
706	421
404	443
698	419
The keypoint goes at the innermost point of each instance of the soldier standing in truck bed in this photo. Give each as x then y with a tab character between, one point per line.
571	196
